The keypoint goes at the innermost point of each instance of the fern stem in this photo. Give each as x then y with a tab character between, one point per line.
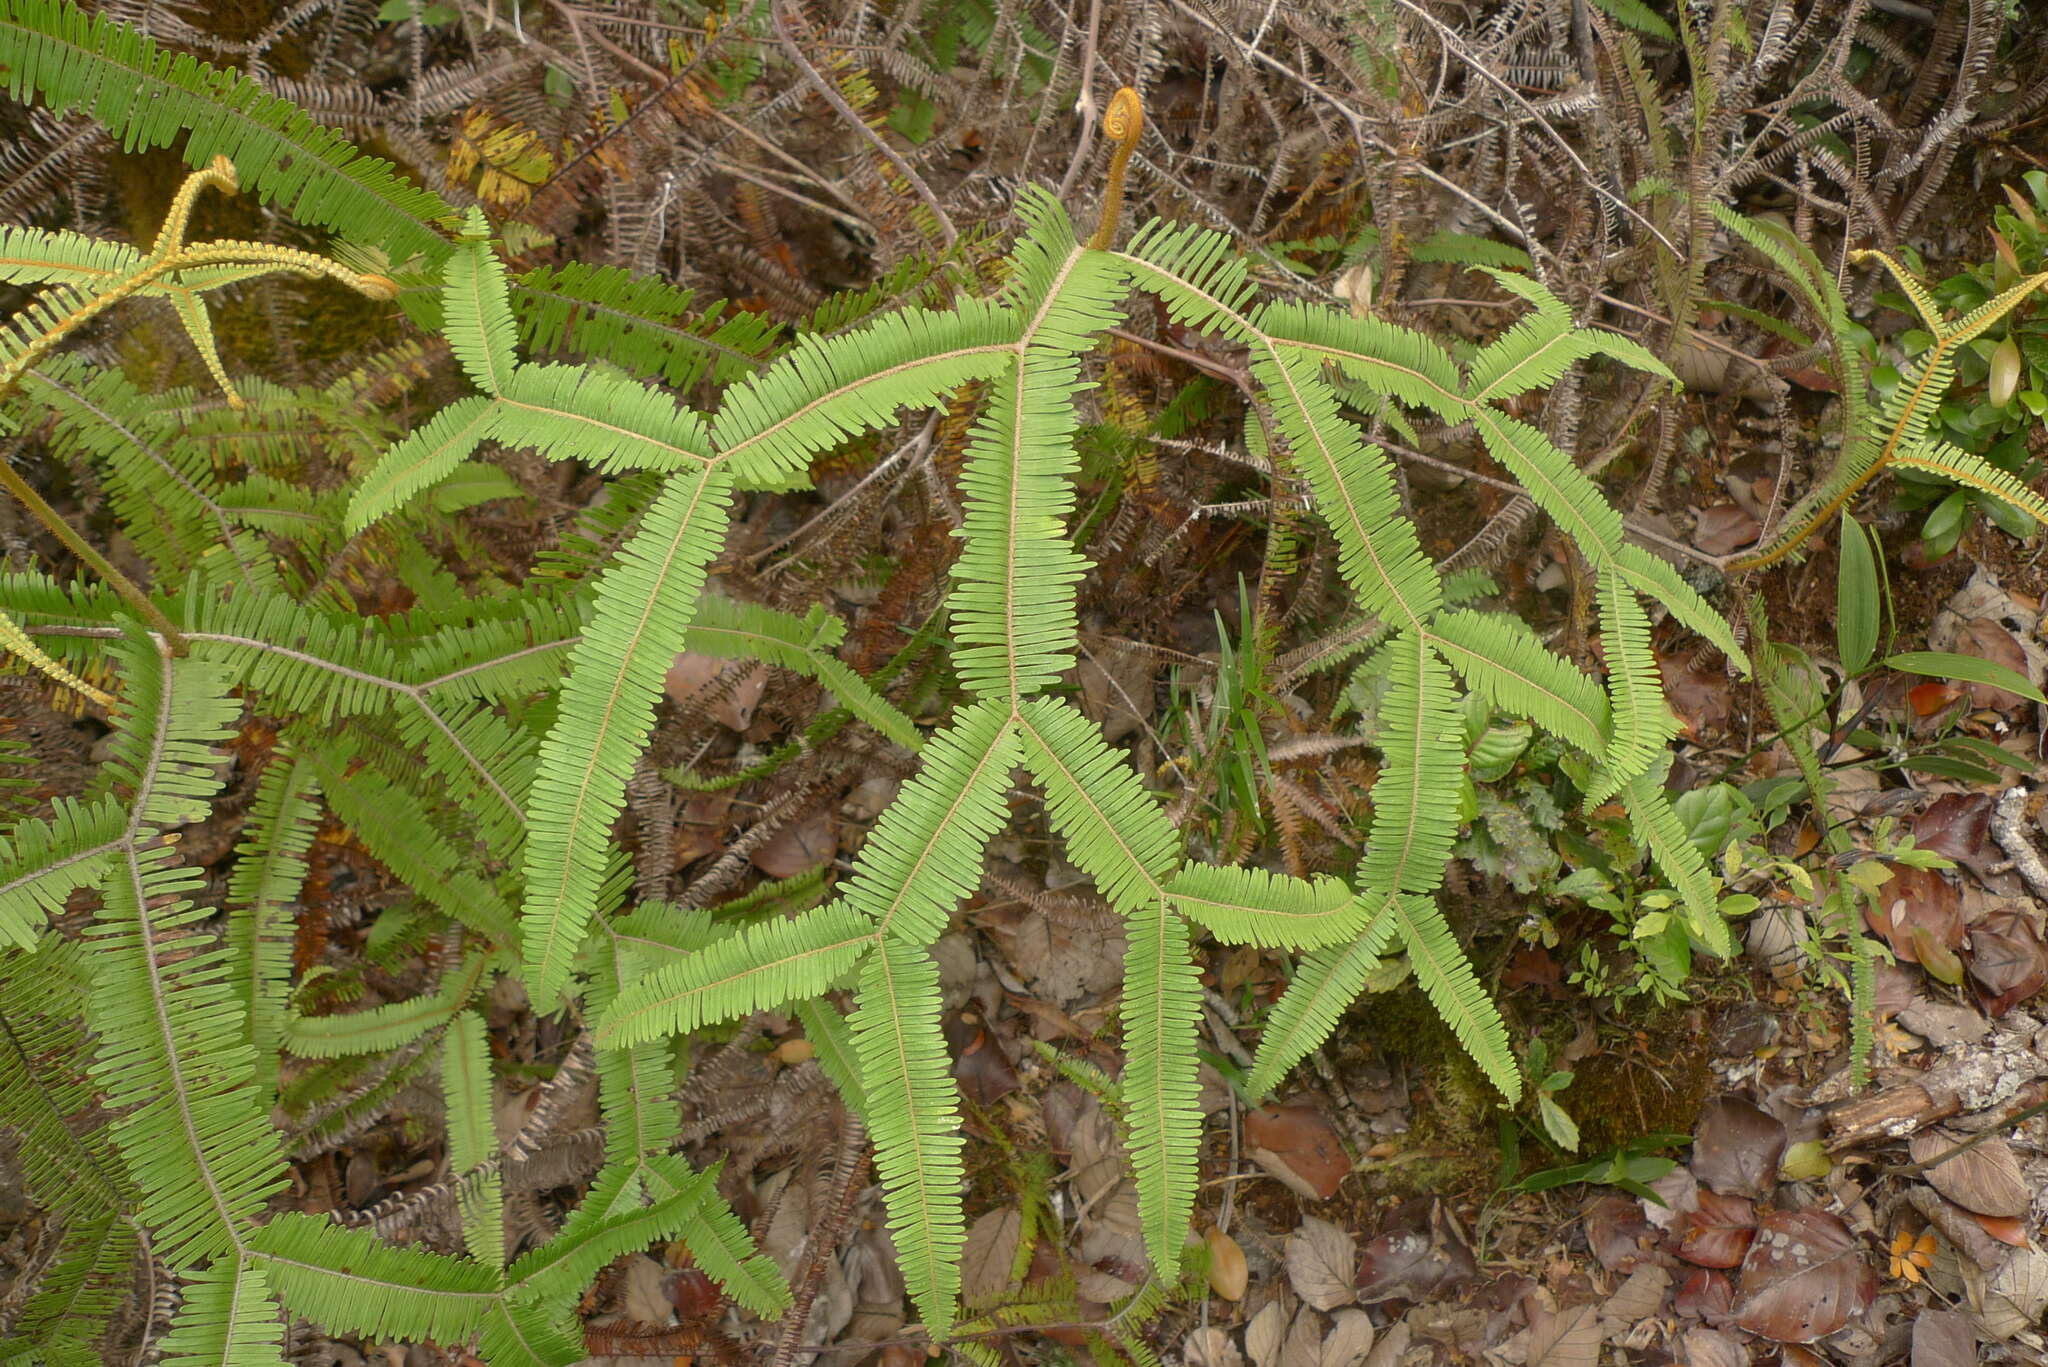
134	597
1124	121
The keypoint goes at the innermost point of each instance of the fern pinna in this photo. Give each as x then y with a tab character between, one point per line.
431	736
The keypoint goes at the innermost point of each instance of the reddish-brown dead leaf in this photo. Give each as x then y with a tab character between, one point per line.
1914	897
980	1064
1987	640
1299	1146
1706	1294
1930	698
1805	1276
1718	1233
1723	528
1617	1232
2004	1228
1737	1147
796	846
1958	826
2006	960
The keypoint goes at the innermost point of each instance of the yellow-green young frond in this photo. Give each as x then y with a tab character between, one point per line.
644	604
467	1094
1537	350
1972	324
1386	359
476	310
1254	907
1012	602
1415	799
824	390
1635	689
39	256
1553	482
263	895
1161	1011
348	1281
1951	462
1043	254
147	96
924	855
718	1241
394	825
1655	578
748	631
762	967
914	1116
832	1047
1354	492
227	1317
1113	827
639	322
1440	965
1658	829
380	1029
43	862
1198	273
1325	984
573	413
302	661
599	1232
1501	659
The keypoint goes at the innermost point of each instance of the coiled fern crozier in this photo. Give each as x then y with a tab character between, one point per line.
480	744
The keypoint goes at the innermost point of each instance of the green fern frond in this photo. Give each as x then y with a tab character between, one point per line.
616	424
1012	602
1500	658
477	309
831	1038
822	391
1658	829
1114	829
923	857
229	1318
1325	984
758	969
1953	463
351	1282
1655	578
1446	975
1415	797
466	1091
639	322
1198	274
1161	1011
263	893
1642	723
174	1052
1387	359
915	1115
747	631
643	610
380	1029
43	862
1553	483
147	96
425	457
1377	549
1253	907
394	826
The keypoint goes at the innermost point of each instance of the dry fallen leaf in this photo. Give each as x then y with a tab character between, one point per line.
1916	899
2016	1294
1322	1264
990	1254
1228	1274
1420	1253
1350	1339
1718	1233
1943	1338
798	846
1571	1338
1300	1147
1984	1178
732	688
1266	1333
1737	1146
1724	528
2008	962
1210	1347
1804	1277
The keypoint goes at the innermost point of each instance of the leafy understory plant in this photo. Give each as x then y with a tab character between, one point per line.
480	746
